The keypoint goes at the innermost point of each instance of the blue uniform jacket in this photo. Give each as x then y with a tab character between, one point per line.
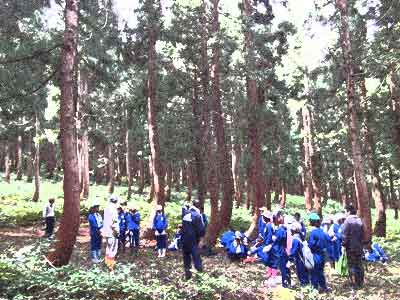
192	228
93	224
227	238
318	244
122	222
160	222
133	221
261	226
268	233
337	247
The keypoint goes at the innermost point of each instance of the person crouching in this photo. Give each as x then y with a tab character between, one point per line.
237	250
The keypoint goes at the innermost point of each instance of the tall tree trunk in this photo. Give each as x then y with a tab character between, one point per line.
19	157
189	174
29	161
129	151
395	99
255	103
354	130
213	183
169	183
223	156
308	189
66	235
7	162
177	179
141	176
36	194
237	178
283	195
84	147
393	196
157	168
198	146
111	168
377	189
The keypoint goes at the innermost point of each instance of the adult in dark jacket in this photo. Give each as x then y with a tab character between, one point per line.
193	230
352	239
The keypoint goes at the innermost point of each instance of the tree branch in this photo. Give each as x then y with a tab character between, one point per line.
34	55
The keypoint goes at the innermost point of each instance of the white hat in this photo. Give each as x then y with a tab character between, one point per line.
238	234
113	199
296	226
339	216
131	206
95	202
159	207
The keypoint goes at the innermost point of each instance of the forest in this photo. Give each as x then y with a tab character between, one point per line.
237	105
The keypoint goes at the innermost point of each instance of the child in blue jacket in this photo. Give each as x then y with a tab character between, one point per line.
337	240
95	223
160	225
318	244
133	222
177	241
122	228
296	255
237	249
278	254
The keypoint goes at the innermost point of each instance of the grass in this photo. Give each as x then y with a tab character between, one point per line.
23	274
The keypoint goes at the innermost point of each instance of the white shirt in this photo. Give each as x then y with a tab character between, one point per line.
110	223
49	210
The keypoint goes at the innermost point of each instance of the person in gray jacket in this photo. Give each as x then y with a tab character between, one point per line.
352	239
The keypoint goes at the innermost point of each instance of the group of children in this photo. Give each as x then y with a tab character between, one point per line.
128	233
282	241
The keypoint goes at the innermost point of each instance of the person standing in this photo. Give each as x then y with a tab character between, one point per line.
110	231
122	220
95	223
160	225
318	243
352	239
296	254
49	217
133	220
193	230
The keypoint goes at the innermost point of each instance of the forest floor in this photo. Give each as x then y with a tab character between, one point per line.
223	279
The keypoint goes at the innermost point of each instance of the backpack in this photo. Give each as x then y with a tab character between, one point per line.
307	256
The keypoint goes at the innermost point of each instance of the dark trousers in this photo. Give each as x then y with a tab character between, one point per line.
161	241
134	238
121	239
191	252
50	221
356	270
285	272
317	276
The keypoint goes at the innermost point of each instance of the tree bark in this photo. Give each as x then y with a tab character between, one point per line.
129	151
83	116
189	175
393	196
395	99
169	183
141	176
67	233
354	130
198	146
29	161
308	189
111	168
19	157
35	197
237	178
377	189
255	104
223	156
157	168
7	162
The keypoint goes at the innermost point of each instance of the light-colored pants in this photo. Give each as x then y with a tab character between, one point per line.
111	251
